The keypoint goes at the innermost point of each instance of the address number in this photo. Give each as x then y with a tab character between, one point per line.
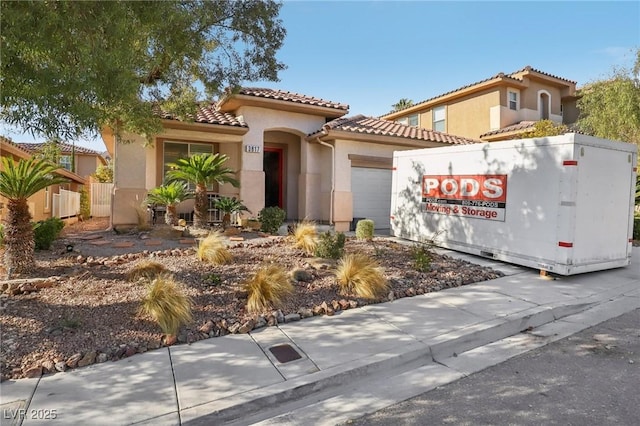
252	148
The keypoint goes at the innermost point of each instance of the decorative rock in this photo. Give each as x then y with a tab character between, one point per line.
335	305
302	275
33	372
329	311
154	344
48	366
88	359
420	290
247	326
292	317
60	366
343	304
305	312
318	310
353	304
207	327
279	316
391	296
233	329
272	320
182	337
72	362
81	259
260	322
411	292
102	357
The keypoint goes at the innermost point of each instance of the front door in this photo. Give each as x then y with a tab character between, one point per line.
272	166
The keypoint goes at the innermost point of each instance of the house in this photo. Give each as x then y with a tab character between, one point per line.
497	108
56	200
290	150
85	160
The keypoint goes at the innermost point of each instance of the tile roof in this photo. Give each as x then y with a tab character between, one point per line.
208	114
513	76
377	126
64	147
523	125
282	95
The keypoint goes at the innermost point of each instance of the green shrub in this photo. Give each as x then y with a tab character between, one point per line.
421	256
636	228
364	229
330	246
85	205
271	219
46	231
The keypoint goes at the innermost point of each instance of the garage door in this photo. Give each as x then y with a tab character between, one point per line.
371	190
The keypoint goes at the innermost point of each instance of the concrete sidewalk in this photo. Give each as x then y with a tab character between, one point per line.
392	350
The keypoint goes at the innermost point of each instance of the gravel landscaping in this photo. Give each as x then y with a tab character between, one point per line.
77	309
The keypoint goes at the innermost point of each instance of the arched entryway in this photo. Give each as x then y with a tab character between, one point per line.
281	166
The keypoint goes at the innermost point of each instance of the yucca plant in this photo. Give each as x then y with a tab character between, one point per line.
213	249
359	274
18	182
267	288
168	305
305	236
170	195
146	269
229	206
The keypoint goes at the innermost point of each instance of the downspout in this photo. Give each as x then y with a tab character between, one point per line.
333	176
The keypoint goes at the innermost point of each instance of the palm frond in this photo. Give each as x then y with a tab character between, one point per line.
22	179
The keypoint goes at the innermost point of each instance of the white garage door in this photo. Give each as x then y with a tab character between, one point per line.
371	190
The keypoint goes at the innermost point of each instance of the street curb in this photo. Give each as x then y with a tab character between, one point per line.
400	359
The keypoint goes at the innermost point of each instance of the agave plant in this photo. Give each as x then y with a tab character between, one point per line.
229	206
170	195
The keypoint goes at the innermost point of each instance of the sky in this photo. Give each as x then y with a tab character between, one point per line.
370	54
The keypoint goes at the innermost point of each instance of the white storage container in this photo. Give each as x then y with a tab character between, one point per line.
562	204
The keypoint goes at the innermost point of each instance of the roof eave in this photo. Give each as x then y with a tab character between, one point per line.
333	134
205	127
236	101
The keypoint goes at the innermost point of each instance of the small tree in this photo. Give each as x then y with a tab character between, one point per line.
202	170
18	182
229	206
544	128
169	195
104	173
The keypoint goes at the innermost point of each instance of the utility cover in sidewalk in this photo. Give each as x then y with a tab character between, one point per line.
284	353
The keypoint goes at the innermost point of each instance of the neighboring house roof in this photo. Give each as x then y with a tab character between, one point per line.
376	126
515	77
65	148
291	97
208	114
518	127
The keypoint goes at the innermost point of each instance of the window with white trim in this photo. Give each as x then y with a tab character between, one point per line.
513	100
439	119
173	151
403	120
413	120
65	162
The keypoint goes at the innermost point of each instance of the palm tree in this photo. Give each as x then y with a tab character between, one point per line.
403	103
229	206
170	195
202	170
18	182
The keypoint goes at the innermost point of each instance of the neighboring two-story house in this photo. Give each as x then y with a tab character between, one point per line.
498	108
84	160
52	201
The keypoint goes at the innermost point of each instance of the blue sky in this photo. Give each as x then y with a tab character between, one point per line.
370	54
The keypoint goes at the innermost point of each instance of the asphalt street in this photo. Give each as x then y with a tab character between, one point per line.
590	378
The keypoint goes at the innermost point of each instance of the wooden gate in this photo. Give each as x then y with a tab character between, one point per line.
101	199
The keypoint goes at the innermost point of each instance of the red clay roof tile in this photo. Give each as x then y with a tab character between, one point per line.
208	114
65	148
523	125
291	97
377	126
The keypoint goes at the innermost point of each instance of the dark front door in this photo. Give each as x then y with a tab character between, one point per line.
272	166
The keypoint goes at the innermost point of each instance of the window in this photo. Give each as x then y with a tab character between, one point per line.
47	197
176	150
65	162
513	101
413	120
439	119
403	120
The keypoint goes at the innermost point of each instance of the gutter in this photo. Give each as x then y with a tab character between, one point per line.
333	176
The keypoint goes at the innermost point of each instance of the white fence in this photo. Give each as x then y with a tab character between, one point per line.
66	204
101	199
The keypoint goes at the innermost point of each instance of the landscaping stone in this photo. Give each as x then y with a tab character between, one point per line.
292	317
102	357
88	359
247	326
33	372
233	329
60	366
73	360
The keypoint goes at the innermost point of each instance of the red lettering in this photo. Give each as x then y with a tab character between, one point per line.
465	187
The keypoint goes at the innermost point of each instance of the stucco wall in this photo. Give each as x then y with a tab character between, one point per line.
86	165
130	167
470	116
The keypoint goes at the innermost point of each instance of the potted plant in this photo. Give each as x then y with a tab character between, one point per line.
229	206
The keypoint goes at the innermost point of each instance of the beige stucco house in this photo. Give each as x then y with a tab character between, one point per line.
85	160
41	204
497	108
290	150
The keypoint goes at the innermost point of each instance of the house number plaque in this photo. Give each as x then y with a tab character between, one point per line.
252	148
